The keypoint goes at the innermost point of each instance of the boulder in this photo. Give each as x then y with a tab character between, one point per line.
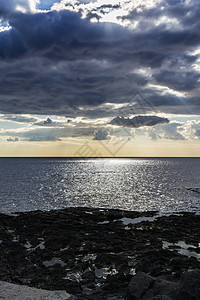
143	287
189	286
138	285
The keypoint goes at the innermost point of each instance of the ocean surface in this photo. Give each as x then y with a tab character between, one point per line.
128	183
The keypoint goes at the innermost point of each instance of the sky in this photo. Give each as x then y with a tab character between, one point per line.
100	78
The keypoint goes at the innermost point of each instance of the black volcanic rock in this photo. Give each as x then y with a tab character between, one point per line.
94	253
189	288
145	287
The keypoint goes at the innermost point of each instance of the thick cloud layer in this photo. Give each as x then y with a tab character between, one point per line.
58	61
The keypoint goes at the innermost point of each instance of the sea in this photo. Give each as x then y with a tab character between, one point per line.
139	184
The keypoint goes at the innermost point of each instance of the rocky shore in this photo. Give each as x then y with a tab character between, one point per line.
103	254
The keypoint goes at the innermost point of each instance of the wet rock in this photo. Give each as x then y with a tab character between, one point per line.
94	260
155	262
161	297
189	287
139	285
89	275
106	260
145	287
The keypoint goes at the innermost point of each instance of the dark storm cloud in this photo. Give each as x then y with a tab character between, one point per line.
65	35
181	81
40	87
55	62
138	121
60	35
8	7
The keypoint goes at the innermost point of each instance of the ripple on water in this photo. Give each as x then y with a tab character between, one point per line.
133	184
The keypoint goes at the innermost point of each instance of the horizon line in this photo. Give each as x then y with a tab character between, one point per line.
99	157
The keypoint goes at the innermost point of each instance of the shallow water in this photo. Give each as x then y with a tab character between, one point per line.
134	184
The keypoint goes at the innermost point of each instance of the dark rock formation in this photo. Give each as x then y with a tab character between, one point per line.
145	287
95	253
189	288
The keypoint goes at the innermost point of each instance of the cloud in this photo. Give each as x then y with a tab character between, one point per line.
56	134
59	35
197	133
19	118
65	35
42	138
48	133
172	131
48	121
10	6
191	129
138	121
153	135
57	61
176	131
181	81
12	139
92	129
36	84
101	134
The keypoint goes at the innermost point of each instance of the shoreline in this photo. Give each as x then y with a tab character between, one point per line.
94	253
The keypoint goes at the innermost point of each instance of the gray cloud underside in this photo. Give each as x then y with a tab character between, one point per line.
174	130
138	121
8	7
18	118
12	140
101	134
58	134
52	63
50	134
